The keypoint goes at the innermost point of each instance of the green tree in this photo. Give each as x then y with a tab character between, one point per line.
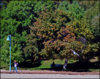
31	51
95	25
43	29
73	10
15	19
5	53
87	4
42	5
92	16
59	34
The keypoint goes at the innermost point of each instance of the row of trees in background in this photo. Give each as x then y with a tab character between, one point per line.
48	29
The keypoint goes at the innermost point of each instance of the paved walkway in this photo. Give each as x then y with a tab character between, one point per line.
47	76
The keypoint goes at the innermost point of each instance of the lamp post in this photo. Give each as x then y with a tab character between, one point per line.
9	39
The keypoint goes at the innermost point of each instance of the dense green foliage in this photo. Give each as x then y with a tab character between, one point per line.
48	30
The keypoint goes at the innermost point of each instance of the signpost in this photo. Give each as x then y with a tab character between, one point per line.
9	39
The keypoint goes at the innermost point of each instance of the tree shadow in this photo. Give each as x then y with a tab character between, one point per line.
76	67
57	67
29	65
83	66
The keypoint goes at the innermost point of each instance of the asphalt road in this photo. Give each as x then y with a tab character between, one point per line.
47	76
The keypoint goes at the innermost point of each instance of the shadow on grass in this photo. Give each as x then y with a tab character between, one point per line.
83	66
77	67
29	65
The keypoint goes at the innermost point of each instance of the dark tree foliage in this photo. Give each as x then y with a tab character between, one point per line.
48	29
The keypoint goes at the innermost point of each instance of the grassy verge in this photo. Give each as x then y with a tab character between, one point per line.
46	64
94	70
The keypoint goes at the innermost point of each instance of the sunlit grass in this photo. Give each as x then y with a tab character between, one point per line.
94	70
45	64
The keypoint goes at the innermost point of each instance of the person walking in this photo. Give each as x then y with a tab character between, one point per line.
15	65
65	64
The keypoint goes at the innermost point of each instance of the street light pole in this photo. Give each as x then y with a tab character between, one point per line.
10	60
9	39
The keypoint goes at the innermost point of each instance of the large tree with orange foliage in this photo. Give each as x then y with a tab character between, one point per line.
58	34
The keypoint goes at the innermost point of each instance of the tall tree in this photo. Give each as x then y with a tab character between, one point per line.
59	34
15	19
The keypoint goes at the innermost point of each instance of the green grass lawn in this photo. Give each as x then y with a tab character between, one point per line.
45	64
94	70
